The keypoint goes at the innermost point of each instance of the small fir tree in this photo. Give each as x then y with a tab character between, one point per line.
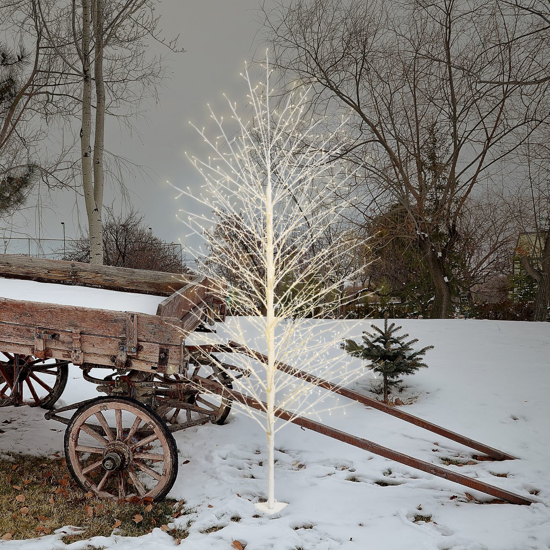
390	355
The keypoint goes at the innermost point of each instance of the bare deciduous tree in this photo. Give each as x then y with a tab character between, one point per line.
424	127
528	202
128	242
101	47
28	83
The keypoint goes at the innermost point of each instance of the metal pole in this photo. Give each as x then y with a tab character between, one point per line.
64	247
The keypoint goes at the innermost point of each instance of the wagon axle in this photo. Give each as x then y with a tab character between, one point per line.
113	461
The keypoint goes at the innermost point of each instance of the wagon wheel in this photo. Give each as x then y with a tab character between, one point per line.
117	447
215	406
26	380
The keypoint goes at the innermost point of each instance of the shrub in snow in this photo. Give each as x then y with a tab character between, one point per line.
390	355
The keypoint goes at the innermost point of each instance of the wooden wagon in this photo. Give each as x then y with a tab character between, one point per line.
121	445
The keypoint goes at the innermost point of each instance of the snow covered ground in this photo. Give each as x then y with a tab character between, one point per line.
488	380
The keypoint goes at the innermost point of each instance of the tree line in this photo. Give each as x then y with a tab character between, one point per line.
447	128
446	132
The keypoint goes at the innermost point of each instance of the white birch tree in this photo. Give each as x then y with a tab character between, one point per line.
102	50
271	186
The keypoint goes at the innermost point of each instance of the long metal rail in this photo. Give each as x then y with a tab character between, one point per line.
496	454
370	446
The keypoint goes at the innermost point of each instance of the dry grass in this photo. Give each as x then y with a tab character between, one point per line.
213	529
457	462
420	518
38	496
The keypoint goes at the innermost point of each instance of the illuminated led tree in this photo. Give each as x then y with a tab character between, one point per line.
270	190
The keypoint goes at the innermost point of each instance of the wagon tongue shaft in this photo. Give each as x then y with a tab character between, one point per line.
370	446
369	402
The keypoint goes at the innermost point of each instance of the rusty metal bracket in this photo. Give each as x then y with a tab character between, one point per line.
41	337
164	355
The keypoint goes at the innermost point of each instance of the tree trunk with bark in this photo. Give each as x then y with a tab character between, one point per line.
435	261
542	277
92	211
99	132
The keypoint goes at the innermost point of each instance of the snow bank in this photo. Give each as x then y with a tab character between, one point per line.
79	296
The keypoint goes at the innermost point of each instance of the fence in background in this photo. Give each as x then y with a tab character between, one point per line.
56	249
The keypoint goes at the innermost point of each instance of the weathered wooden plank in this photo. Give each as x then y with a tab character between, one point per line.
150	328
184	300
195	317
88	344
92	358
15	348
81	274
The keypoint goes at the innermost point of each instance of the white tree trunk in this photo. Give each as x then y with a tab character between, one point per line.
270	337
94	217
95	223
99	135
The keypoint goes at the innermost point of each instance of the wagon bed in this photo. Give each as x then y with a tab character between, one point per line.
98	337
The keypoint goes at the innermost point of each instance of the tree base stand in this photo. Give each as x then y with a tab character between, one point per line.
277	507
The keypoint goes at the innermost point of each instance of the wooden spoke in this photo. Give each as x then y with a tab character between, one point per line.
146	441
105	426
87	449
33	391
121	485
118	415
41	382
45	371
7	378
103	481
92	467
148	470
135	480
149	456
94	434
133	429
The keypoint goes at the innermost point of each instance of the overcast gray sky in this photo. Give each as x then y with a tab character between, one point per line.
218	36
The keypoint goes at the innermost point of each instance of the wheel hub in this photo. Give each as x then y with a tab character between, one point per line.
111	462
116	457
